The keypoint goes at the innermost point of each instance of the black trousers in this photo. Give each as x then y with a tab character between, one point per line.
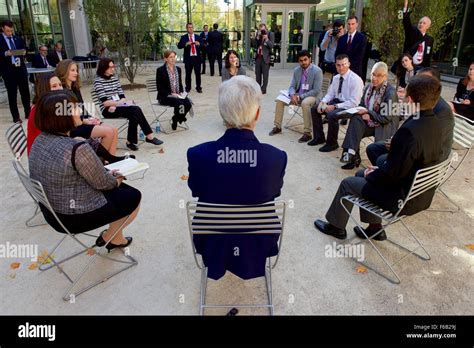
121	202
203	60
333	124
212	59
135	117
262	70
14	81
377	153
356	131
181	107
189	67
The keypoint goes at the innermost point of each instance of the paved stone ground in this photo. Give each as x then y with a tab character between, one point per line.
305	281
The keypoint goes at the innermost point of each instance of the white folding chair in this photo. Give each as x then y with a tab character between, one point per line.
464	137
295	110
16	139
122	126
261	219
36	190
425	180
160	111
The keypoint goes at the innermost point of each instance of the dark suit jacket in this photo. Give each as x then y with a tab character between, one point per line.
445	116
204	42
53	58
187	49
38	62
163	83
355	52
215	42
232	183
7	69
413	37
414	146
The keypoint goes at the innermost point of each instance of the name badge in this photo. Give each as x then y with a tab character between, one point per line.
115	97
305	86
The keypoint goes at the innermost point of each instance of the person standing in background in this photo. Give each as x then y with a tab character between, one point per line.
192	57
263	43
203	36
215	48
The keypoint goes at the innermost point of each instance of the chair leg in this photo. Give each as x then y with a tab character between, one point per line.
202	301
446	210
37	212
268	283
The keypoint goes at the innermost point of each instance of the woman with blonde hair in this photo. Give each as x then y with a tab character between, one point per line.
68	72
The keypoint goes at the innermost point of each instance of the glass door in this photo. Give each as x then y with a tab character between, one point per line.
290	30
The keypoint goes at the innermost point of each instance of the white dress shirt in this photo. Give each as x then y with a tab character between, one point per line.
351	92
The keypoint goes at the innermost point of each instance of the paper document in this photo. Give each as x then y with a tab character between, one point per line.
21	52
128	166
351	111
180	96
284	97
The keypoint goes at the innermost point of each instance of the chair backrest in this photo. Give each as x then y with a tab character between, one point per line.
35	190
16	138
428	178
325	86
210	218
151	85
463	131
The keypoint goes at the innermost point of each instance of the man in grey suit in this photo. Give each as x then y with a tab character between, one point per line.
304	90
263	43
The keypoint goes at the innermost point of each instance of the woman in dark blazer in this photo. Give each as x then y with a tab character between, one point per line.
170	88
375	119
463	103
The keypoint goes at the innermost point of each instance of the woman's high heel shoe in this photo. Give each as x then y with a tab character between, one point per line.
100	242
354	161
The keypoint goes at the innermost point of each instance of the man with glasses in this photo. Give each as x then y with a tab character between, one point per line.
13	69
192	57
344	93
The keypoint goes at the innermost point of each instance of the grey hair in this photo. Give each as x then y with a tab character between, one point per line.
239	101
380	66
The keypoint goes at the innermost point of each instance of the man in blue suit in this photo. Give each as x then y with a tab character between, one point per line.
13	70
353	43
215	178
192	57
40	61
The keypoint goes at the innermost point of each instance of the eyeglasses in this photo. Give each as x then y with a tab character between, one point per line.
111	66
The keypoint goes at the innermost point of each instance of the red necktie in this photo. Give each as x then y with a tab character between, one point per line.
420	51
193	47
349	42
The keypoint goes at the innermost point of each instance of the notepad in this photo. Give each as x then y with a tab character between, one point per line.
128	166
180	96
21	52
351	111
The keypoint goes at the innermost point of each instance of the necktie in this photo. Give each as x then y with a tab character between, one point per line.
349	42
193	47
45	62
12	43
341	80
420	52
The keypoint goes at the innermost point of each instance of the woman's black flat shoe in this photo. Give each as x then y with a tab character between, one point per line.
111	246
100	242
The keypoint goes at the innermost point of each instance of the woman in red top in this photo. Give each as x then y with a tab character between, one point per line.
44	83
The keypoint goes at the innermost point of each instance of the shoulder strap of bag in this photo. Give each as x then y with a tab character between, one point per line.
73	154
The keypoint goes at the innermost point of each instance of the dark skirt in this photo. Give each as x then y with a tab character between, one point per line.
83	131
464	110
121	201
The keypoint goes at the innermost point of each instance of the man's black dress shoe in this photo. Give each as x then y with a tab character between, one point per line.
370	233
132	146
315	142
327	228
329	148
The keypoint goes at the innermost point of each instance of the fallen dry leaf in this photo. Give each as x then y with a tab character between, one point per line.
184	177
90	251
466	180
361	269
318	188
161	151
12	275
15	265
33	266
44	257
470	246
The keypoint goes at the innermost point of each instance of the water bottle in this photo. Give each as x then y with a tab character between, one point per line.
142	135
157	127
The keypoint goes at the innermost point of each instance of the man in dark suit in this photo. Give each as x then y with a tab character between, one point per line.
353	43
13	70
203	36
40	61
192	57
57	55
217	179
263	45
417	42
215	48
378	151
414	146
